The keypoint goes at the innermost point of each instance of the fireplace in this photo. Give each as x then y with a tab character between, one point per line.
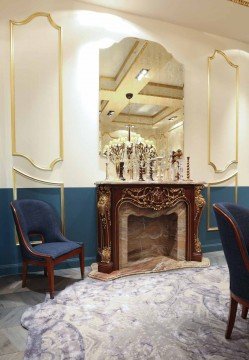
146	233
139	220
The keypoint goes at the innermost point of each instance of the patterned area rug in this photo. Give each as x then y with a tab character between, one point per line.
179	315
149	265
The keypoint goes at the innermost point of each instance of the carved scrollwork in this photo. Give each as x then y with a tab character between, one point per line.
156	198
104	212
104	205
105	254
199	205
197	244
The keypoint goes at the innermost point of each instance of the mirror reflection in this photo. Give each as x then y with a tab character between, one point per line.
141	110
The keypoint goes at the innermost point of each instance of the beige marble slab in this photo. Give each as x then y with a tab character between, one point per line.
152	265
120	182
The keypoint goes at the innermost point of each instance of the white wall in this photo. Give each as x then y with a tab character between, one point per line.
85	30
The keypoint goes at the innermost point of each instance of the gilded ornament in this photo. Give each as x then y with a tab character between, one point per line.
199	200
199	205
155	198
104	209
105	254
197	244
104	203
241	2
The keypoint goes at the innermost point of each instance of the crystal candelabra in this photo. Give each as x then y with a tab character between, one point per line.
135	158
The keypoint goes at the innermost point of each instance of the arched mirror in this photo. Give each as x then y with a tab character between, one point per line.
141	97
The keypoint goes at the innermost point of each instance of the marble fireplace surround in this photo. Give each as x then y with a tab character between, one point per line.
146	233
147	203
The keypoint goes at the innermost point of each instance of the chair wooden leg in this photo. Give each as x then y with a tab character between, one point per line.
82	263
231	318
244	312
50	268
24	273
45	271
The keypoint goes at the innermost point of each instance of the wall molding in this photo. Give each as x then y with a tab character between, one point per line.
211	162
53	183
235	176
15	152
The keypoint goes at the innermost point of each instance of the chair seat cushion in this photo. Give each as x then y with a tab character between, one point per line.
56	249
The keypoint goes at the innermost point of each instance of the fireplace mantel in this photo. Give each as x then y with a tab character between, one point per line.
145	195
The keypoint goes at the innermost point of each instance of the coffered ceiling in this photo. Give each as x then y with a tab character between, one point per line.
157	97
227	18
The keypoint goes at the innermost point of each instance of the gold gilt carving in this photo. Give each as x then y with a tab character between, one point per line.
15	152
236	67
155	198
241	2
105	254
104	210
199	205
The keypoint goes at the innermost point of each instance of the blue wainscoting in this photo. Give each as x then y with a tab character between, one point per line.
80	225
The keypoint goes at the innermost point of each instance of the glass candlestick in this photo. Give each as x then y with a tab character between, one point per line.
121	171
106	171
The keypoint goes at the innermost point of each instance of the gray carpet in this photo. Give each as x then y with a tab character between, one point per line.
177	315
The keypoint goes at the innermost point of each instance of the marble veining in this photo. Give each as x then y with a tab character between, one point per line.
144	233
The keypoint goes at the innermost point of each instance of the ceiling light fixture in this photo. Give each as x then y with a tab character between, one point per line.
110	113
172	118
142	74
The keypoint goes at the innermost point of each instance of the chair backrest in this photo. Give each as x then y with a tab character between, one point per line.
34	217
233	225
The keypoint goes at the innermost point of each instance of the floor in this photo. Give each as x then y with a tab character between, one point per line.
14	300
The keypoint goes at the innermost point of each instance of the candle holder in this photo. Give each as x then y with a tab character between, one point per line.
188	168
121	171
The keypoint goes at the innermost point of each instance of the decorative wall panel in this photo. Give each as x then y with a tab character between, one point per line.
32	184
216	193
36	90
223	108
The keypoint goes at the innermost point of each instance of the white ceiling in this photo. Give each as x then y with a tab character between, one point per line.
221	17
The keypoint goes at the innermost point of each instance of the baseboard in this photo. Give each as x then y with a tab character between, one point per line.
211	247
14	269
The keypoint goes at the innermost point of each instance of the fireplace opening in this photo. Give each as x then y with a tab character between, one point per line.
151	237
146	233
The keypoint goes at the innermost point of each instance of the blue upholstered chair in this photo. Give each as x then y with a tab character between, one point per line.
233	224
34	217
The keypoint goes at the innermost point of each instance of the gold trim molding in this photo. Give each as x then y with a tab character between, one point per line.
235	176
236	67
12	90
41	181
240	2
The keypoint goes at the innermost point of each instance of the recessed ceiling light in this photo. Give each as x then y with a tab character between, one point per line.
142	74
172	118
110	113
